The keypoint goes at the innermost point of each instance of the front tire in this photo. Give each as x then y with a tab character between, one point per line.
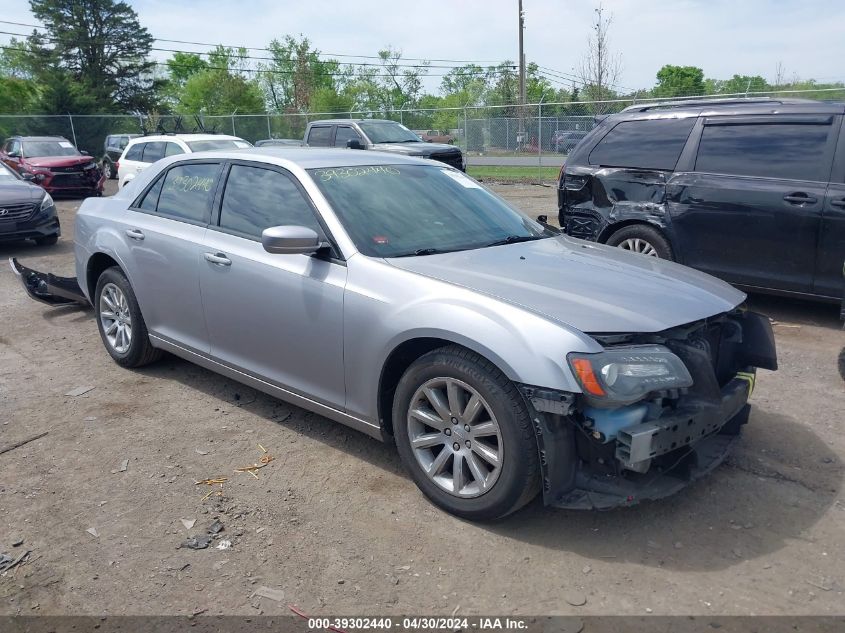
48	240
120	322
465	435
642	239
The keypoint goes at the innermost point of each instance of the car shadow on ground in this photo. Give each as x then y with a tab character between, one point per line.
27	249
779	481
797	311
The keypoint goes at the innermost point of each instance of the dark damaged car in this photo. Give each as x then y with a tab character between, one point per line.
751	190
26	211
400	297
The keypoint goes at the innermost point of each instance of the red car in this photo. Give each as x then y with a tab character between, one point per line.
54	163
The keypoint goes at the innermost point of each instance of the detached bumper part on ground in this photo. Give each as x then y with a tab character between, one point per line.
47	287
675	441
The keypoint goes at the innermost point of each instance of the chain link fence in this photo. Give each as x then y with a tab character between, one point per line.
546	131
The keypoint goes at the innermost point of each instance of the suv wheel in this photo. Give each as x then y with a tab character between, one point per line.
108	170
465	434
642	239
119	320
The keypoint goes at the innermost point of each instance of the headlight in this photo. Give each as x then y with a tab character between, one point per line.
623	375
47	202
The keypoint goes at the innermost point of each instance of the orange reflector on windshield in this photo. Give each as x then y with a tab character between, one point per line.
588	379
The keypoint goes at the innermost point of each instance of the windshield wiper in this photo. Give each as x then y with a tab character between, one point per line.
422	251
513	239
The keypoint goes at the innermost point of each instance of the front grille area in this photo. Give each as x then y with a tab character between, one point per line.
583	224
450	158
71	180
16	212
72	169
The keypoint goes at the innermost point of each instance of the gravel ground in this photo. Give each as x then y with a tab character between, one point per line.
335	525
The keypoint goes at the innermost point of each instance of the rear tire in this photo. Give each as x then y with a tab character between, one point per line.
108	170
120	322
484	490
643	239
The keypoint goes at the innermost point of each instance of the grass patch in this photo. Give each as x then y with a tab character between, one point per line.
513	172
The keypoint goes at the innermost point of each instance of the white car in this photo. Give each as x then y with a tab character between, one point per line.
143	151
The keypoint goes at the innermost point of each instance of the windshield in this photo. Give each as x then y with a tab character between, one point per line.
217	143
403	210
388	132
36	149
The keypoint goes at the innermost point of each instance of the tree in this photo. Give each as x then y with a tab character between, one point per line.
182	66
390	86
679	81
216	91
599	68
296	74
102	45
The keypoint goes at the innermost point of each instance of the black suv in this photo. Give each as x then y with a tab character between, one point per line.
113	147
751	190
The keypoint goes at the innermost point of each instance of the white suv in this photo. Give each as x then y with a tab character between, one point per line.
141	152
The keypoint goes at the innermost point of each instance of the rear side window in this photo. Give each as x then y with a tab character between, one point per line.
135	152
187	192
173	149
154	151
256	199
320	136
792	151
648	144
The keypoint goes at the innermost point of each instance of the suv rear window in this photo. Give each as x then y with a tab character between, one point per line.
792	151
320	136
647	144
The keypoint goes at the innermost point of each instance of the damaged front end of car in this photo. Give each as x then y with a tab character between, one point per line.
47	287
656	411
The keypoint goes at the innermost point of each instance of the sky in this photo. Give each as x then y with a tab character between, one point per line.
723	37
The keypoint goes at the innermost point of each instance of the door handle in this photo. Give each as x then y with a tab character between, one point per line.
838	203
218	259
799	198
135	234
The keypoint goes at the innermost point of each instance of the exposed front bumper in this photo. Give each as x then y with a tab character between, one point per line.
678	444
47	287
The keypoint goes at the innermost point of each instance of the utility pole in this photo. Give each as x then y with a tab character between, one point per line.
520	140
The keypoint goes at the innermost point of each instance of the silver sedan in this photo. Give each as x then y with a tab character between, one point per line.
402	298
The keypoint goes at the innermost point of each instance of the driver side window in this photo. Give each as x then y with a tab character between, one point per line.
256	199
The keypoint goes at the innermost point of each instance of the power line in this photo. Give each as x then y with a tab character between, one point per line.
172	64
270	50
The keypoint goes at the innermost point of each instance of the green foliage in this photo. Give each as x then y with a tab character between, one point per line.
679	81
216	91
296	75
17	95
101	45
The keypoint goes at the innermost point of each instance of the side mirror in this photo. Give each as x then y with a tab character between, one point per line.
354	143
28	177
291	240
543	219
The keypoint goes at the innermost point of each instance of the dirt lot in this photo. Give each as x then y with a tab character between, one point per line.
336	525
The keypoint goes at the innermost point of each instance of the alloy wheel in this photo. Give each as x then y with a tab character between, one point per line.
455	437
107	170
116	318
638	245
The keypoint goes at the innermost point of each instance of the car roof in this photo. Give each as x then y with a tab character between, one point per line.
184	137
316	157
39	138
750	106
337	121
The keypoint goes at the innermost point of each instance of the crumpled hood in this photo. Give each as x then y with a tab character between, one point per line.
59	161
416	149
591	287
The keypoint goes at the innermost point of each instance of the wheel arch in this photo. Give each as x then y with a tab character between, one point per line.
610	229
97	263
403	355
